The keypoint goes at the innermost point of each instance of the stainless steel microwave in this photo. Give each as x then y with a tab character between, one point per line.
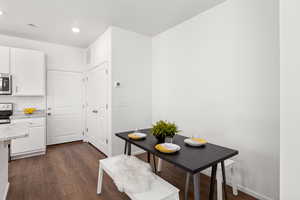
5	84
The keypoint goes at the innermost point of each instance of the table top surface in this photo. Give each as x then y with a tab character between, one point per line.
191	159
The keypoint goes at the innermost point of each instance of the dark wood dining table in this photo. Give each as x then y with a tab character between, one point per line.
191	159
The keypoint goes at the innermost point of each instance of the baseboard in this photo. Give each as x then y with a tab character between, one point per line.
253	193
243	189
27	155
6	192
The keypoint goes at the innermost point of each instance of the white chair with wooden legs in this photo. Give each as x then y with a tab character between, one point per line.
230	166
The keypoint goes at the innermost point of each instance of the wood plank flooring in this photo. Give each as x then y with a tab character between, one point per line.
70	172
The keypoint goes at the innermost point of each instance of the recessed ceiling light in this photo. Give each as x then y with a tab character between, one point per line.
1	12
75	30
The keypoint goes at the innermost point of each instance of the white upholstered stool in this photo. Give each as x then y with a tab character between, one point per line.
160	189
230	167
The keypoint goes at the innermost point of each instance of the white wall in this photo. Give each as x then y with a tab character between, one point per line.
3	171
131	66
290	98
217	75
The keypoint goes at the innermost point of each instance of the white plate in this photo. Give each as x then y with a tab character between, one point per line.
193	143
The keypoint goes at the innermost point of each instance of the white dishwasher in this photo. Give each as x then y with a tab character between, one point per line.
35	143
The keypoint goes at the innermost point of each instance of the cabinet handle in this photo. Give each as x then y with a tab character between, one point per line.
17	89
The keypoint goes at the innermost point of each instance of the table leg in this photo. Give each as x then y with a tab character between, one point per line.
212	182
154	162
187	184
148	157
224	180
196	179
125	149
128	148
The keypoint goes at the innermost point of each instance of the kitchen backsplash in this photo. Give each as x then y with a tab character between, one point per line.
22	102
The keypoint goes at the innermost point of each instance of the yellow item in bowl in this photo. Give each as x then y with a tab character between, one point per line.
137	136
29	110
200	140
133	136
163	149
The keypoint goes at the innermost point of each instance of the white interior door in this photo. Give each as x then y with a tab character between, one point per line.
64	107
97	108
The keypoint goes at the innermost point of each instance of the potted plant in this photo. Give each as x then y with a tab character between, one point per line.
163	129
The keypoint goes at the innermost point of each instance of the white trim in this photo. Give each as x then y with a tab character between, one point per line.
253	193
6	192
28	154
103	64
62	70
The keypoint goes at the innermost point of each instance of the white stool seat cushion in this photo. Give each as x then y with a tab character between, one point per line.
129	173
158	189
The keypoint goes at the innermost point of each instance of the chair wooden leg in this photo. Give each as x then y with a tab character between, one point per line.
234	180
219	185
159	165
100	180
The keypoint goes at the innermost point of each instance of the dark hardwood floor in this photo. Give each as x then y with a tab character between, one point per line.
70	172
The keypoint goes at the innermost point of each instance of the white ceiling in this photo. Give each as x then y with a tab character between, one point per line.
55	18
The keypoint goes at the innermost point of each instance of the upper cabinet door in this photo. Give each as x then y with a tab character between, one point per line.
4	59
99	51
28	71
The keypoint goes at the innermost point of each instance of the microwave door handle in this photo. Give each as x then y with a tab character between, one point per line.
4	83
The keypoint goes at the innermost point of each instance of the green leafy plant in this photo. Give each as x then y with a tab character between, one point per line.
164	129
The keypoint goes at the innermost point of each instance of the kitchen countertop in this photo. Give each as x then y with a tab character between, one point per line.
10	132
21	115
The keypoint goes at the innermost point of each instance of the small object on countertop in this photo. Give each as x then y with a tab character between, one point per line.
195	142
137	136
167	147
29	110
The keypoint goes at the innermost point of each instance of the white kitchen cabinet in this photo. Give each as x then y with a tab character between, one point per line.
99	51
35	143
28	71
4	60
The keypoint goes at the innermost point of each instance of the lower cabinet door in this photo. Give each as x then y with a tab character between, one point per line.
34	142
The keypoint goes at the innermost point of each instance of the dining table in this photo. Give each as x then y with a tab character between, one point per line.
192	160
